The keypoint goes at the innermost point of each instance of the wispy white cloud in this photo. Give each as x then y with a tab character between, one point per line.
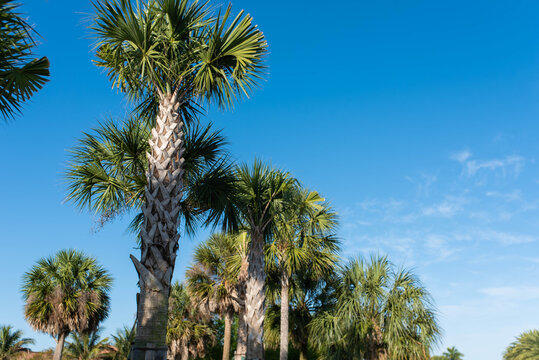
447	208
509	164
461	156
514	195
503	238
513	292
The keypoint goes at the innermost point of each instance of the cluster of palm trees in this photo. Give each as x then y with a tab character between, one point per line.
272	277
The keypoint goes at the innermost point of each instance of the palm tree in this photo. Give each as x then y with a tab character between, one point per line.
21	74
310	294
212	280
12	342
261	194
86	346
189	333
65	293
453	354
380	313
525	347
303	238
122	343
170	55
107	172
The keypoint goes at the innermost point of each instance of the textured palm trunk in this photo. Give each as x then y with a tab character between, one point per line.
227	335
285	287
59	347
255	297
375	344
160	232
241	347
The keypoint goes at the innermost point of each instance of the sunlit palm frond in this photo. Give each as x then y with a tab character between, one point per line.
21	73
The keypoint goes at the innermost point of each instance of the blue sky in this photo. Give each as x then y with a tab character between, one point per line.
417	119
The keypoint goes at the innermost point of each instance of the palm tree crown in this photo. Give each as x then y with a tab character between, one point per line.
122	343
526	347
177	46
12	342
380	312
65	293
88	346
21	75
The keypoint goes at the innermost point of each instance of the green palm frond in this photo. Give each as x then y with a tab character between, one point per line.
526	346
106	172
12	342
374	298
21	74
87	346
167	45
66	292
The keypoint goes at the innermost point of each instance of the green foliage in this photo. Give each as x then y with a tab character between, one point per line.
304	235
21	75
212	279
86	346
106	172
68	292
526	347
261	193
310	294
181	46
189	330
121	345
378	309
12	342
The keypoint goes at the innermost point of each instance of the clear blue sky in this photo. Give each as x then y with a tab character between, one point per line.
417	119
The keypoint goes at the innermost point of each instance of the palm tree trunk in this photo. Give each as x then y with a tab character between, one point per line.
59	346
227	335
302	355
285	287
160	232
255	297
241	347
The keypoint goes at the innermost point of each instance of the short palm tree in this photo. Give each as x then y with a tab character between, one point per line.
21	74
171	55
262	193
189	333
121	345
379	314
66	293
212	280
303	238
452	353
87	346
12	342
526	347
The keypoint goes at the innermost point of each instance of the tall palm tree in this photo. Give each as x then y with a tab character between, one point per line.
87	346
262	193
21	74
107	172
526	346
212	280
12	342
303	238
122	341
189	332
172	55
452	353
380	313
65	293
